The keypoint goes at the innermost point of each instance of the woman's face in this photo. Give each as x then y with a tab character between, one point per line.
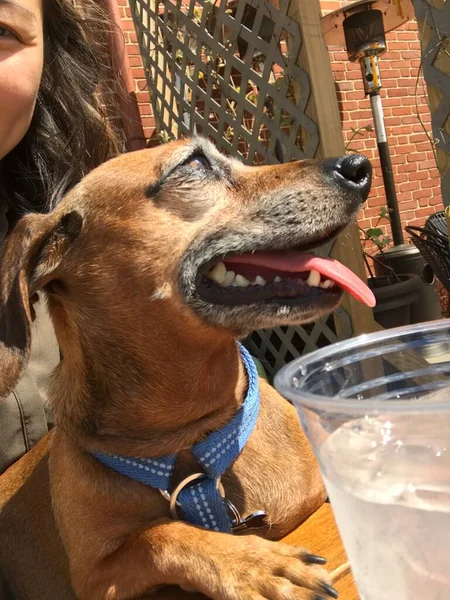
21	62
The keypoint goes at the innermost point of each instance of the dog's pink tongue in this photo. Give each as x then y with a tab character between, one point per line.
299	262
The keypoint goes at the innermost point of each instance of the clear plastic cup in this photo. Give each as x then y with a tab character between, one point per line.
376	410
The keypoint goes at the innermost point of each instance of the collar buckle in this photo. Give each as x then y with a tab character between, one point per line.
256	520
173	497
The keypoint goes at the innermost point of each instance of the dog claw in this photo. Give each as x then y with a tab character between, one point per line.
319	598
313	559
329	590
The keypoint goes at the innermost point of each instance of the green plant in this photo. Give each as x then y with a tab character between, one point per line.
357	131
376	234
380	239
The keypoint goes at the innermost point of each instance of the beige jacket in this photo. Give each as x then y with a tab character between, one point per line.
24	414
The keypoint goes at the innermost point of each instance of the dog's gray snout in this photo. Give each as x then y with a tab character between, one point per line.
352	172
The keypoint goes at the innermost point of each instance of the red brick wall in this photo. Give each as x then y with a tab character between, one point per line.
141	88
416	177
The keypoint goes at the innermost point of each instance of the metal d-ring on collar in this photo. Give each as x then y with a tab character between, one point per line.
256	520
173	497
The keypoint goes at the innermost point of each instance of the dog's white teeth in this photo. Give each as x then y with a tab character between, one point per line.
260	281
225	278
313	279
218	273
240	281
326	284
230	276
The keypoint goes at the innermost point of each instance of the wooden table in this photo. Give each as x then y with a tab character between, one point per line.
320	536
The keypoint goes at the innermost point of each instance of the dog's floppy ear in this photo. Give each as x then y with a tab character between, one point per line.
30	257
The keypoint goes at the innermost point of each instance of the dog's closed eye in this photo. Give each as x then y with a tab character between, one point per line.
198	161
182	190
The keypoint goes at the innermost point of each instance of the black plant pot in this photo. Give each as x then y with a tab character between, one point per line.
395	296
408	259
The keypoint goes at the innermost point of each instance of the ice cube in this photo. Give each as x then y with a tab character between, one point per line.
402	458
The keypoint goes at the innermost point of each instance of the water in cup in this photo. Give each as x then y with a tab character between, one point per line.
394	518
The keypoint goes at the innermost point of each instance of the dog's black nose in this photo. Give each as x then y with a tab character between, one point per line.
352	172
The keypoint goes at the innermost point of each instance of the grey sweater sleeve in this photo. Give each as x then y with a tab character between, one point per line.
24	415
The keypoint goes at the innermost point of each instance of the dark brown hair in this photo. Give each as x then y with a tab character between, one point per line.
70	133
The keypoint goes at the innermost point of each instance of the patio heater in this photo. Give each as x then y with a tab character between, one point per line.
361	27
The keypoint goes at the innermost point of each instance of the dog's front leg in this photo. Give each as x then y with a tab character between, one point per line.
221	566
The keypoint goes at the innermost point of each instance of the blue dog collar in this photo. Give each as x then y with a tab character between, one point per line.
200	496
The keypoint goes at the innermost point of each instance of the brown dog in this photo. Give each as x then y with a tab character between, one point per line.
147	321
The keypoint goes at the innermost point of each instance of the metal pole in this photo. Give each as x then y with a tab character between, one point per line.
368	59
386	168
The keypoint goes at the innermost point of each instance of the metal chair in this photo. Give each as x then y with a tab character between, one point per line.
434	247
438	222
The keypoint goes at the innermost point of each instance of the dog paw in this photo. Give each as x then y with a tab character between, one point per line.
259	569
